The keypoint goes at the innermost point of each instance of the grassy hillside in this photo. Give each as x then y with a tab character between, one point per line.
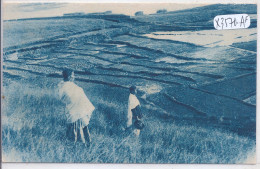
34	130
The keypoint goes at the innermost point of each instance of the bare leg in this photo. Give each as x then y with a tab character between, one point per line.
87	135
81	132
75	132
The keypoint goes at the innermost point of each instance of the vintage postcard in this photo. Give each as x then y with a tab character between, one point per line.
127	83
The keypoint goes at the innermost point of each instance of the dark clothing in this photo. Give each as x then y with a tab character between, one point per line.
136	119
137	112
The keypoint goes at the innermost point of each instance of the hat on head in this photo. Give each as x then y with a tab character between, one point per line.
132	89
66	73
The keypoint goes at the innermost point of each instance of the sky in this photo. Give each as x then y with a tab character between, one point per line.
35	10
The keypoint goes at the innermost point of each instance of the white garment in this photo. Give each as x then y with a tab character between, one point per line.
132	103
78	105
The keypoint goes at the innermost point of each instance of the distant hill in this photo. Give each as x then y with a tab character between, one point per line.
199	18
223	9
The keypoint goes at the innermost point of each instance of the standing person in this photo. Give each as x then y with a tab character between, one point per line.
134	112
78	108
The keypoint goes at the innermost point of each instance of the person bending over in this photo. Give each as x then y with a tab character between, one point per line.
78	108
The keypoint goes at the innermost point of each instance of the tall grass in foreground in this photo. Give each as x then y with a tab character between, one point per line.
33	130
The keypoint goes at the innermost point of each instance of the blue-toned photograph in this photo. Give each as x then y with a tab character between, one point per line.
129	83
